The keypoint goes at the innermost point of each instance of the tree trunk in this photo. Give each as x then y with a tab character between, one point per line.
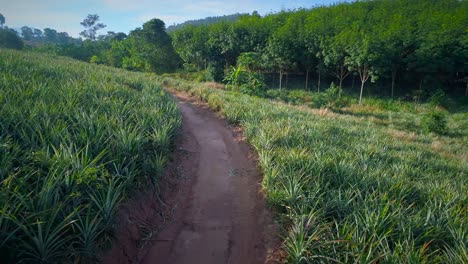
360	94
318	84
364	75
287	78
418	96
280	79
341	74
394	74
307	81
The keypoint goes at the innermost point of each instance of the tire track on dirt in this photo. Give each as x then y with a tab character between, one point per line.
224	219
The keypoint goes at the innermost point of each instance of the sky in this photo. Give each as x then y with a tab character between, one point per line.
126	15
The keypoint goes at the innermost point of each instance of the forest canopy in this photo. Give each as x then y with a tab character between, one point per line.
394	47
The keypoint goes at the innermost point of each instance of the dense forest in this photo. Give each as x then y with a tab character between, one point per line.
405	48
205	21
410	44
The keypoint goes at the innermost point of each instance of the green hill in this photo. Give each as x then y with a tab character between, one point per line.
75	138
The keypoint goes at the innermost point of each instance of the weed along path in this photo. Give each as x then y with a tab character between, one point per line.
222	217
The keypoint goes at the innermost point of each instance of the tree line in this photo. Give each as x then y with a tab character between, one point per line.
402	47
415	45
148	48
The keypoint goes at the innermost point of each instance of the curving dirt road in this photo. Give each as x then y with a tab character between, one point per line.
223	218
210	211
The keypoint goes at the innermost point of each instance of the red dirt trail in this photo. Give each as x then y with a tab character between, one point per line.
218	213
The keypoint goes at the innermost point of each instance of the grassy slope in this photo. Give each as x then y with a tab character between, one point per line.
351	189
75	138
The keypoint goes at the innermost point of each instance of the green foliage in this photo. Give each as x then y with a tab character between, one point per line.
333	97
9	40
438	98
75	139
91	25
352	189
245	82
395	44
435	121
148	49
95	59
213	73
2	20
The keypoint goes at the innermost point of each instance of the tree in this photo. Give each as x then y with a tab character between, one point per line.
37	34
150	49
335	55
9	39
2	20
281	49
91	25
50	35
361	55
27	33
190	44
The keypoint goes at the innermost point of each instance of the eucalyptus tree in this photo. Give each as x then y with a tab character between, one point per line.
91	25
2	20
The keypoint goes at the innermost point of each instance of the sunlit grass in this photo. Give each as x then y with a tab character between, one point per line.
350	190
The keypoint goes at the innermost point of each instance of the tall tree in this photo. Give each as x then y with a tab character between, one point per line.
282	49
151	48
91	25
9	39
2	20
27	33
50	35
362	53
37	34
190	44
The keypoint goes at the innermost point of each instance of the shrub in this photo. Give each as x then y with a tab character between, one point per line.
95	59
245	82
435	121
333	97
214	73
437	98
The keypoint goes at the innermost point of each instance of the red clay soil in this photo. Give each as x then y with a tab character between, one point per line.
213	209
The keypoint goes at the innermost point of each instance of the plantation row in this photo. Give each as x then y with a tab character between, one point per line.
75	139
355	189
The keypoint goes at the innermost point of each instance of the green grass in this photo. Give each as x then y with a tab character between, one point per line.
350	189
75	140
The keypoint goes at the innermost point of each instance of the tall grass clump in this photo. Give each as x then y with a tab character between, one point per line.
75	139
350	190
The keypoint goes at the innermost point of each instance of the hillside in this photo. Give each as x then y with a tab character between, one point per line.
355	187
205	21
75	140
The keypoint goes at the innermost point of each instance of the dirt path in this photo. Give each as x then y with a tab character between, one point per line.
223	218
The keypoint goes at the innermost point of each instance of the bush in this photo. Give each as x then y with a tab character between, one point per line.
245	82
437	98
333	97
95	59
435	121
214	73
